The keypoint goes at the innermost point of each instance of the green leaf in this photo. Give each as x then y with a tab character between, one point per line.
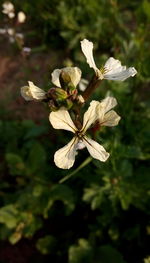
107	254
62	193
9	216
15	164
81	253
37	158
46	244
146	8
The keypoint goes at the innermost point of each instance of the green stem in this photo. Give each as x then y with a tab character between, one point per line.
87	161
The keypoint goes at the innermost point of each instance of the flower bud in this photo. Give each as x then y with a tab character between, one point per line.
57	94
68	104
32	92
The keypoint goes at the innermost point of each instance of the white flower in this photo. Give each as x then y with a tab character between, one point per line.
32	92
3	31
10	31
83	84
65	157
19	36
112	70
108	117
21	17
73	73
8	9
26	49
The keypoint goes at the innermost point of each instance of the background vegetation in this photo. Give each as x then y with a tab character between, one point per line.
101	214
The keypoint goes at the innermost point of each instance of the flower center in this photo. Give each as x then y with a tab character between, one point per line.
79	134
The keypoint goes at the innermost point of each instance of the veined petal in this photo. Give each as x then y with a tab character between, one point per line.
112	65
96	150
111	118
122	75
61	120
91	115
87	49
115	71
65	157
55	77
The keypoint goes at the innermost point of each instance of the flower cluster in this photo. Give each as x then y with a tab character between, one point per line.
64	96
9	10
11	28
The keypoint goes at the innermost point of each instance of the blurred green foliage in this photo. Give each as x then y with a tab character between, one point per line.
102	213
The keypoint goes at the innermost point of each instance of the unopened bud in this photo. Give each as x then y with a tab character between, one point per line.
68	104
52	105
57	94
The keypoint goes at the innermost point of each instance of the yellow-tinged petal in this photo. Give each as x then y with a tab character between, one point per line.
32	92
91	115
72	73
111	118
96	150
64	158
61	120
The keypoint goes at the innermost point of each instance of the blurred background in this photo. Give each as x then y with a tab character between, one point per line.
102	213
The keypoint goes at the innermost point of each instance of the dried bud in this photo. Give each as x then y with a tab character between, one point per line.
52	106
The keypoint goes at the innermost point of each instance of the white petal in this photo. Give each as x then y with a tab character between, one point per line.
37	93
25	93
87	49
91	115
21	17
61	120
55	77
10	31
65	157
3	31
115	71
108	103
111	118
96	150
74	74
83	84
11	14
32	92
112	65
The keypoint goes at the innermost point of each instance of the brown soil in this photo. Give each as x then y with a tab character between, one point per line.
15	71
